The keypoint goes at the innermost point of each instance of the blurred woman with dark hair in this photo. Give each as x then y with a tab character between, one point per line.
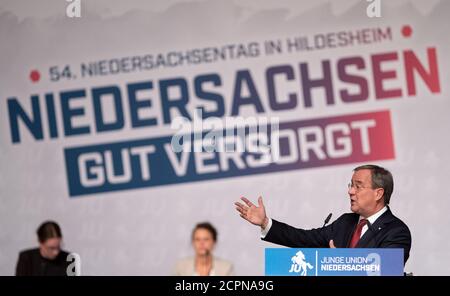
48	259
204	238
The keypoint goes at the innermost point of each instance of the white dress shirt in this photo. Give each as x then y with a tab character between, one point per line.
372	219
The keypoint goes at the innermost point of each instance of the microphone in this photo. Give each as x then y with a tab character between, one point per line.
327	219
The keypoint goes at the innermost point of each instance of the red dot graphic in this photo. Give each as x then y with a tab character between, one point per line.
35	75
407	31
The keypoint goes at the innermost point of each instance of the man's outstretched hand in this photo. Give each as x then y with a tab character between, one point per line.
253	214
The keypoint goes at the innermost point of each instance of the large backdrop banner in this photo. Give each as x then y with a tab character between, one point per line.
116	121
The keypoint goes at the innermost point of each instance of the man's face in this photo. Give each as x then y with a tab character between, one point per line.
364	200
50	248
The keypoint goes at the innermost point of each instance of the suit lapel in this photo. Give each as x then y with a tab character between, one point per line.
371	233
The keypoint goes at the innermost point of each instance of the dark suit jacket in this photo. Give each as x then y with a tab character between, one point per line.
388	231
32	263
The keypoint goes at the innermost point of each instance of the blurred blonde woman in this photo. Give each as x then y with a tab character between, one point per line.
204	263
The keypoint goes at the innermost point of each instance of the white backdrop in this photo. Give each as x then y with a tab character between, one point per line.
144	231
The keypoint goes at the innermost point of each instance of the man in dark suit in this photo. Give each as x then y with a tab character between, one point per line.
371	225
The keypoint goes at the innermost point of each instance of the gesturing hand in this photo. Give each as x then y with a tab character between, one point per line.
253	214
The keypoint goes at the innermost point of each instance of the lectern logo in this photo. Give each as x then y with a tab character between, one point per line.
299	264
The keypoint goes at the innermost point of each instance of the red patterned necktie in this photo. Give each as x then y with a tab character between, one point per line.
357	233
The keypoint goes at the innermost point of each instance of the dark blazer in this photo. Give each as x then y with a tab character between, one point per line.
388	231
32	263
